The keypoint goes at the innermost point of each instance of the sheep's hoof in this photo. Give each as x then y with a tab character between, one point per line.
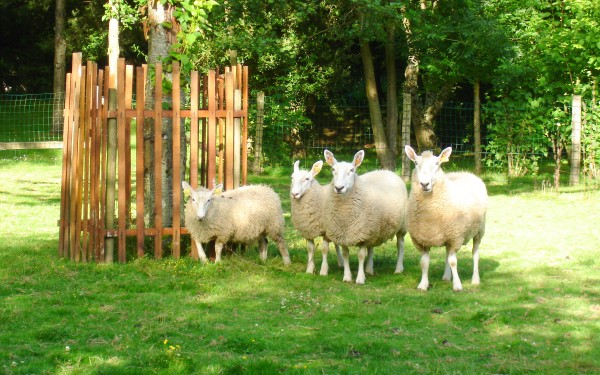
475	281
347	279
324	271
360	281
457	288
310	268
423	287
399	270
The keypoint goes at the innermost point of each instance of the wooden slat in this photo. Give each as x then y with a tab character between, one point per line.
95	163
176	161
211	139
157	160
78	156
101	252
221	131
64	209
194	137
85	126
245	126
128	107
122	160
139	179
229	131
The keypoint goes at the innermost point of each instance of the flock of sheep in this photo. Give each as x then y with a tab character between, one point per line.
443	209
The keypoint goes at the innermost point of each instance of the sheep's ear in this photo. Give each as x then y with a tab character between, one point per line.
445	155
358	158
410	152
296	165
329	158
217	189
186	186
316	168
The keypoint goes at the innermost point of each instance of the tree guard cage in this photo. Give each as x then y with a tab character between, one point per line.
102	195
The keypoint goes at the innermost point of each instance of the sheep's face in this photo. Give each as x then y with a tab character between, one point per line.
427	167
200	199
302	180
344	173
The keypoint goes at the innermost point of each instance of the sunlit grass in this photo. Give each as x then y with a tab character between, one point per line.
537	309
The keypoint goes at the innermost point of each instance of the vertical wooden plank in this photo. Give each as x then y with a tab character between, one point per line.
95	164
122	158
128	105
406	116
245	125
176	161
229	131
139	179
221	106
575	140
157	160
63	244
237	138
194	130
204	148
86	127
102	251
78	186
72	178
111	167
211	136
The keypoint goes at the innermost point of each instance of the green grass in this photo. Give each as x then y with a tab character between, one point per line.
537	309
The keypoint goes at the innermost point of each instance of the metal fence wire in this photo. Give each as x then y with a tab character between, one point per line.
31	117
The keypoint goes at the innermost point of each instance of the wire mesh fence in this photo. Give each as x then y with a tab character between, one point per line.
31	117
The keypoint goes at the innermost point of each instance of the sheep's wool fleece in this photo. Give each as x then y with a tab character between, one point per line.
307	212
370	213
452	214
241	215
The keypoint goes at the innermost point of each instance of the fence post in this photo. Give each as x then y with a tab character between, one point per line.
575	140
406	115
111	174
258	139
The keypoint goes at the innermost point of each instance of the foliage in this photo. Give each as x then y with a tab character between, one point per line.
536	310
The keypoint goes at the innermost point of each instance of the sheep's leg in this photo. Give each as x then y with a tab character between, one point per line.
369	267
424	284
201	253
453	262
447	271
400	246
476	242
362	254
310	266
283	250
347	272
218	250
340	257
262	248
324	264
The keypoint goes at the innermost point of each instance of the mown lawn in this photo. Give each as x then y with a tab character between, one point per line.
537	309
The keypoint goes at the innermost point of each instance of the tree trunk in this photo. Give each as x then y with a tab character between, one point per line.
385	156
392	94
159	44
477	127
113	44
60	49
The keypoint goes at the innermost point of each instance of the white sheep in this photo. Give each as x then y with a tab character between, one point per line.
364	211
306	201
243	216
445	209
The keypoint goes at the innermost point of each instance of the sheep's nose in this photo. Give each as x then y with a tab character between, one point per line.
338	189
425	186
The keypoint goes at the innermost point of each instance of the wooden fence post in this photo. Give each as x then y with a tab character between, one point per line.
258	137
406	115
111	175
575	140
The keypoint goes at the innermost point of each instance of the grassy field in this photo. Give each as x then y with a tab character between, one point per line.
537	309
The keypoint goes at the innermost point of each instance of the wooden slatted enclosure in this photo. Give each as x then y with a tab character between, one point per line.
105	148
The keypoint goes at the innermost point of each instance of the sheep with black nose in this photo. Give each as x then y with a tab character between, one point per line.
244	216
364	211
445	209
306	202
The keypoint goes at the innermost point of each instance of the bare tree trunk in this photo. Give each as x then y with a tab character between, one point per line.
385	156
113	44
159	43
392	95
477	127
60	50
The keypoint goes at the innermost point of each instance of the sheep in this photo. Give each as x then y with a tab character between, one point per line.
445	209
364	211
306	201
243	215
